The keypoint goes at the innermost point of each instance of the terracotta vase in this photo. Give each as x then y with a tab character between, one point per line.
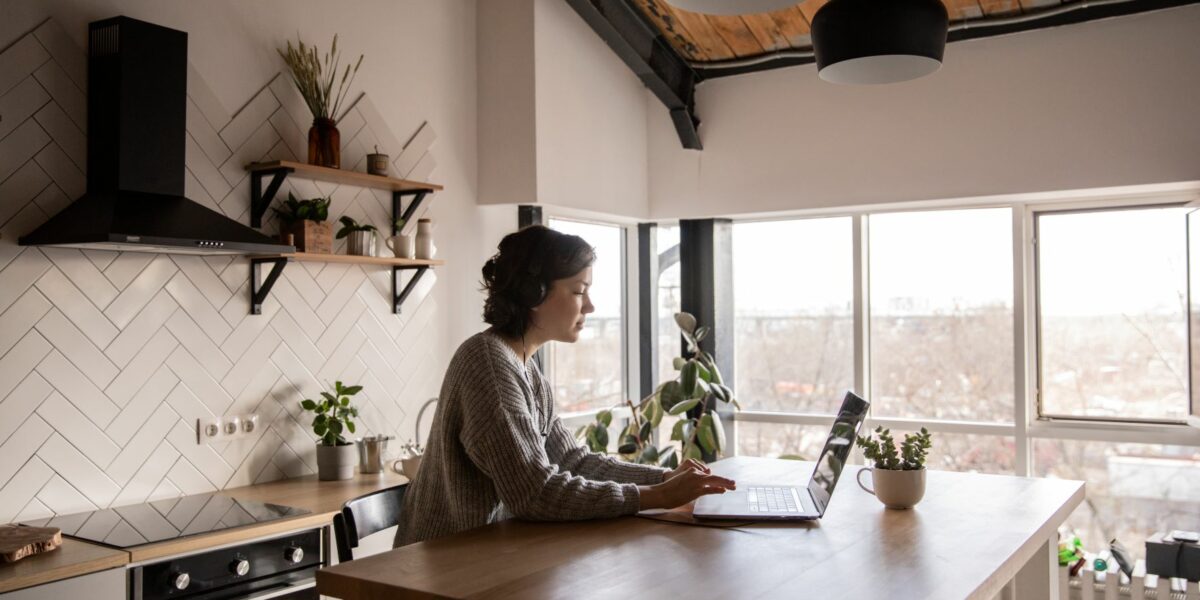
324	144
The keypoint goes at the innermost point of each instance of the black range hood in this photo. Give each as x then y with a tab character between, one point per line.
137	103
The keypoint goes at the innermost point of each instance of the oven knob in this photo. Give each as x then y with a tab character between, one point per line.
239	567
294	555
182	581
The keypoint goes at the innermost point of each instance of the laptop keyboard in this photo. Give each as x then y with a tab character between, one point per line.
772	499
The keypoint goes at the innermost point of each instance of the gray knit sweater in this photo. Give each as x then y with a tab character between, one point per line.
498	450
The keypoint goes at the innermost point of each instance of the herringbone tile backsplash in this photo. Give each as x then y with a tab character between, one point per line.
107	359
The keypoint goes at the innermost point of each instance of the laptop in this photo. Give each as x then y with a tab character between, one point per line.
766	501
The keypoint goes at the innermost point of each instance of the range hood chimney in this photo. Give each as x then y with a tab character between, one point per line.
137	103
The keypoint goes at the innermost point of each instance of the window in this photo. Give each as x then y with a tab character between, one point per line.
669	340
590	374
794	314
1112	294
941	325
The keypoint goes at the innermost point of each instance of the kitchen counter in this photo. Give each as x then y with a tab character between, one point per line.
72	559
322	498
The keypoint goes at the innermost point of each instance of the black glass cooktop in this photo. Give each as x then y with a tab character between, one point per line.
127	526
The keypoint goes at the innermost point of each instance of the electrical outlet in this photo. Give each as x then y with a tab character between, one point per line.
208	430
249	424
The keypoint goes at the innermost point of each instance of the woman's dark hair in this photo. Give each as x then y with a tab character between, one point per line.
519	276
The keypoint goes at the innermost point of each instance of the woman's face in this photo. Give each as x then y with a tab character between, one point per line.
560	316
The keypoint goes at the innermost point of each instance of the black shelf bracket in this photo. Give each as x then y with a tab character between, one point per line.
399	298
418	198
259	199
258	293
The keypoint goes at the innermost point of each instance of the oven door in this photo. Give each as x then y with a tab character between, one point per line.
281	567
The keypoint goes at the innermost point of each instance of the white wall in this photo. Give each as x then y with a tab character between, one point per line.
562	119
98	401
1097	104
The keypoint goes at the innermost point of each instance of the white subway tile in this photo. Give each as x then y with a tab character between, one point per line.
388	144
126	266
143	327
350	315
342	355
22	444
78	429
199	308
84	274
101	258
253	367
20	146
69	340
201	274
198	344
143	443
189	481
20	360
144	402
205	135
75	467
64	51
205	171
414	149
60	497
65	133
250	118
202	95
74	303
149	475
291	134
17	491
20	318
139	371
19	189
297	341
19	60
20	104
80	390
254	149
21	403
69	97
198	382
141	290
62	170
165	490
424	169
204	458
52	200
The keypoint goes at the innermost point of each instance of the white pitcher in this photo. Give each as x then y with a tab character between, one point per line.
425	248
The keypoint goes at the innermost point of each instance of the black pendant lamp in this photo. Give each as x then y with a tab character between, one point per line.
879	41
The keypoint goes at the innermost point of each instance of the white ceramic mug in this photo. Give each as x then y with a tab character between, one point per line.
402	246
894	488
408	466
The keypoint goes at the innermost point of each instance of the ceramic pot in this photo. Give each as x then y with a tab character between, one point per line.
895	489
425	248
325	144
335	462
402	246
360	243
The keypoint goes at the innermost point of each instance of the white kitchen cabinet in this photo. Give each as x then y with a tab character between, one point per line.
101	585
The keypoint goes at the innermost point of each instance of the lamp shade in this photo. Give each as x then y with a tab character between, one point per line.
879	41
732	7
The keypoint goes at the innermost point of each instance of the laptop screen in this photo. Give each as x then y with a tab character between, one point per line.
837	449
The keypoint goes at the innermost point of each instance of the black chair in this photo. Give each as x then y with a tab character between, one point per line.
365	515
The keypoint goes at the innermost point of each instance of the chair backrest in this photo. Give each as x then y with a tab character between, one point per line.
365	515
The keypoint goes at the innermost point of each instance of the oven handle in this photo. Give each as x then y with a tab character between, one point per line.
287	589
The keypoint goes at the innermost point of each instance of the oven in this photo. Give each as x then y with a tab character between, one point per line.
281	567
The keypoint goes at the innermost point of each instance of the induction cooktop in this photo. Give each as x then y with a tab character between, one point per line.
172	518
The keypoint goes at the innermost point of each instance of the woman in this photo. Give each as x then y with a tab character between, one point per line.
497	448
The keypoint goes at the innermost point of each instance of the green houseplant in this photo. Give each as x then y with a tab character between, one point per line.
361	237
898	472
315	78
692	397
306	221
333	415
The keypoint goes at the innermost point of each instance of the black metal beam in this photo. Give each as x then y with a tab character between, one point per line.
647	308
647	53
706	291
976	28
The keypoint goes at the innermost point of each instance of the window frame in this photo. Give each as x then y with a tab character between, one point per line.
629	307
1027	423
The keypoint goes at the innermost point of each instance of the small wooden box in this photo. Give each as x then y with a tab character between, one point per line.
315	237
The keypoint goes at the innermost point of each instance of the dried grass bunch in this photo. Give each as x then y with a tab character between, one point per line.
315	78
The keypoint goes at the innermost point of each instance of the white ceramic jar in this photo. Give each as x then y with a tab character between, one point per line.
425	248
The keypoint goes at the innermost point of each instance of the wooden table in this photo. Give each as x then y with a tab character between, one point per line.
973	536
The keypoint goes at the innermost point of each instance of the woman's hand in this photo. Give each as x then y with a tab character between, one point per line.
690	481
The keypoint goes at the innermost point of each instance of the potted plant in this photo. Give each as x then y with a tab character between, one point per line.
361	237
899	473
315	79
306	221
692	396
335	456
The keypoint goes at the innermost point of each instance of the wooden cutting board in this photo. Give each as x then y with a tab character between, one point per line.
18	542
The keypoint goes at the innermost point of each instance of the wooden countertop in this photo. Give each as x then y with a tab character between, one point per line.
72	559
323	498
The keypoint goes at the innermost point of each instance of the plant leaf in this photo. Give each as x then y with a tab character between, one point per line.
678	362
687	378
707	440
627	449
677	430
671	394
653	412
605	417
601	439
328	396
667	456
649	455
685	321
350	426
308	405
692	452
683	406
352	390
718	431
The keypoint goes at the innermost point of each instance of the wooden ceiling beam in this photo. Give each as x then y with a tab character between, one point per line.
651	57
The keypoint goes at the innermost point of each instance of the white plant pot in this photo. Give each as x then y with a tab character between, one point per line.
360	243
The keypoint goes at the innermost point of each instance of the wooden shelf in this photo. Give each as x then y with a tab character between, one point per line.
344	176
411	263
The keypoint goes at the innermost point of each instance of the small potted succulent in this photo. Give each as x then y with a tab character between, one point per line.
899	473
361	237
305	221
333	415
